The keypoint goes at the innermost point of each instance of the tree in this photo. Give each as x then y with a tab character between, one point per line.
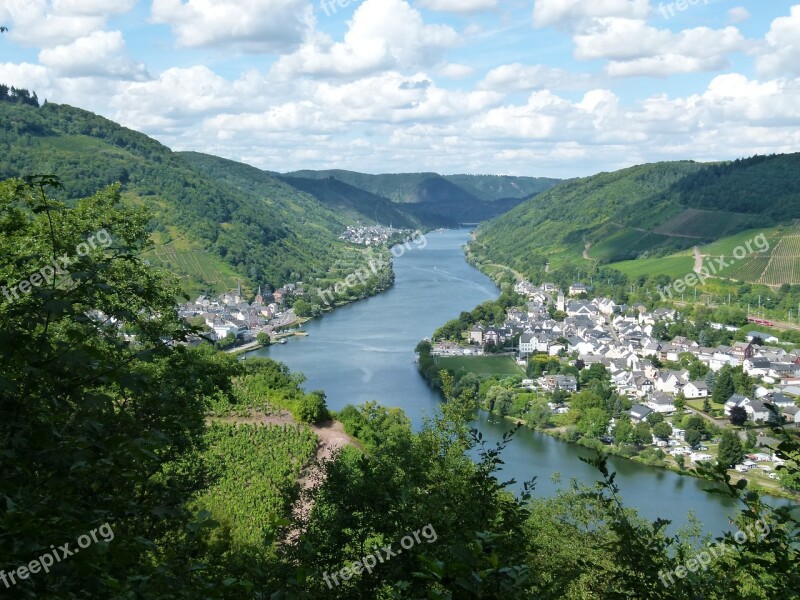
730	449
642	435
313	408
711	381
706	405
623	432
662	431
655	417
302	308
724	387
738	416
680	403
96	429
693	437
263	338
680	459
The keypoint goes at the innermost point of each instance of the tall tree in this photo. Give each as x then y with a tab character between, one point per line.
730	449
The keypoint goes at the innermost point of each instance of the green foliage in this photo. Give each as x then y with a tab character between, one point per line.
95	428
254	470
730	449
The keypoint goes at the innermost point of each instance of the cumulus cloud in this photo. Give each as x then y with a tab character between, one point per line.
574	14
519	77
383	35
779	55
45	23
101	54
243	25
458	6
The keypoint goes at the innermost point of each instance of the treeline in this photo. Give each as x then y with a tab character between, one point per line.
17	95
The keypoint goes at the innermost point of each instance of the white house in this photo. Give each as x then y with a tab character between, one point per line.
734	401
696	389
661	403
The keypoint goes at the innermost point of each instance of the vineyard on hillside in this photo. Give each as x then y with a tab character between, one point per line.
255	471
785	264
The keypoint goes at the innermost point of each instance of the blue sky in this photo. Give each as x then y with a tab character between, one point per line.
546	87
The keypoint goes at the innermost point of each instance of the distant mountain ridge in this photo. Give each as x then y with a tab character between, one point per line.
436	200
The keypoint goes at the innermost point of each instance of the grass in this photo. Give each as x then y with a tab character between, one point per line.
481	365
678	265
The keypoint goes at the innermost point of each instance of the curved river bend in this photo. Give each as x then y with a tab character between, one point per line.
365	351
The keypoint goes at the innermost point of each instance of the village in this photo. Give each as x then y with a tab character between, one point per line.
571	327
233	322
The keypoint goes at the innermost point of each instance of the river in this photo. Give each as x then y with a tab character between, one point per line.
365	351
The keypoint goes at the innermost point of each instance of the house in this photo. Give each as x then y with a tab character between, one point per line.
638	413
669	382
765	337
792	415
743	351
568	383
492	336
696	389
757	366
661	403
576	289
780	400
734	401
757	412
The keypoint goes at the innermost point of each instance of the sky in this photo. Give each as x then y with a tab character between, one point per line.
553	88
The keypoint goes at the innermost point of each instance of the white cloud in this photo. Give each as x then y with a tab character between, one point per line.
782	46
637	49
45	23
738	15
573	14
244	25
455	71
458	6
519	77
383	35
101	53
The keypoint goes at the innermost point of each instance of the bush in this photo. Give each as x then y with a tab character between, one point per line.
313	408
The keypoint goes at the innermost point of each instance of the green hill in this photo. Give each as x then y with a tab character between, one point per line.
438	201
211	228
501	187
355	203
644	212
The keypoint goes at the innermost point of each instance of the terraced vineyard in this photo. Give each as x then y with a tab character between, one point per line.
256	470
784	266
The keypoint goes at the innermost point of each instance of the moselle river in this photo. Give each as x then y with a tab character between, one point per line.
365	351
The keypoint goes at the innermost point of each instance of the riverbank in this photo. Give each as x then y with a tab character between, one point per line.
669	463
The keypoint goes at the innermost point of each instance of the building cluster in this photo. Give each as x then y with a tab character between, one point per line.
231	313
371	236
621	339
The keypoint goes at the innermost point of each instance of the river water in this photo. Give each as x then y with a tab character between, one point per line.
365	351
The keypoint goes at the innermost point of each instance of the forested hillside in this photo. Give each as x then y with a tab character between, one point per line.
441	201
648	210
266	233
